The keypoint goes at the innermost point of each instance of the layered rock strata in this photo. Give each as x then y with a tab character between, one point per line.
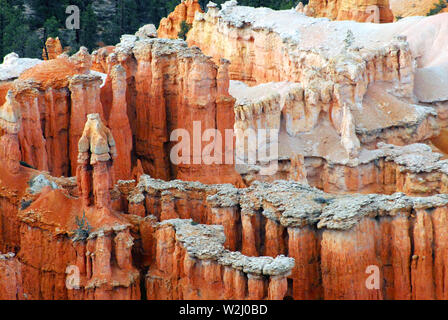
346	69
291	118
414	169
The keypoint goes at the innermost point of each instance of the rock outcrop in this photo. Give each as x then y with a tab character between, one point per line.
189	98
52	49
191	263
263	47
377	11
409	8
119	177
333	239
85	249
10	278
11	68
170	26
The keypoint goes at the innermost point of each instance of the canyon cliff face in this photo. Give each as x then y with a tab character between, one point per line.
190	93
99	200
171	26
333	239
10	278
384	65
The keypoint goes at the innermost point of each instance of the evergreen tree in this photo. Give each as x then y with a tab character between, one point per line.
100	21
184	28
438	7
14	34
88	37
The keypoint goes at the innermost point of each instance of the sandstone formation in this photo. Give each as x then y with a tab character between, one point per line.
11	68
118	180
189	92
377	11
170	26
408	8
52	49
191	263
10	278
328	235
314	56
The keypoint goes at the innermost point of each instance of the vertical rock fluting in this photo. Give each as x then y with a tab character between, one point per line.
83	251
97	268
11	176
10	278
85	99
344	247
10	123
336	77
171	26
191	263
187	92
119	124
44	98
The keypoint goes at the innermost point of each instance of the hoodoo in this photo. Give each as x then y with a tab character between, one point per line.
273	154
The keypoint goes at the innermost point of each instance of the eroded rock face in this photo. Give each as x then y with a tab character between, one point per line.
321	231
10	278
403	9
188	89
52	50
188	258
345	71
170	26
86	247
335	92
147	32
11	68
377	11
10	119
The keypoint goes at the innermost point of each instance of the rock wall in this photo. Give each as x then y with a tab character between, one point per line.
344	70
414	170
333	239
187	89
84	251
190	263
407	8
10	278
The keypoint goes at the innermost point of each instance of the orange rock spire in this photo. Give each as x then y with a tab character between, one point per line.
9	141
52	50
185	11
96	151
